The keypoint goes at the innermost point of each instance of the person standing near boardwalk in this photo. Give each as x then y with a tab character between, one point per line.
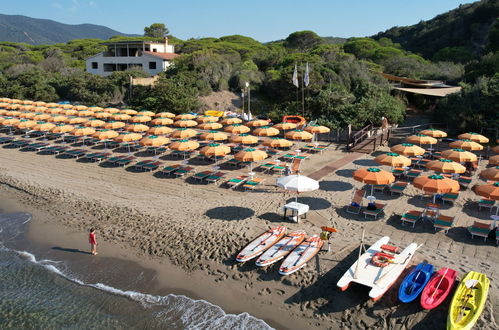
92	241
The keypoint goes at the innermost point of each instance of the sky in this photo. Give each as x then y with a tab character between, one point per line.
262	20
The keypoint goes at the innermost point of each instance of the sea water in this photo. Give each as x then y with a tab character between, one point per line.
46	294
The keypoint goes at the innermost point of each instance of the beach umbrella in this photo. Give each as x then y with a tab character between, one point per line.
162	121
127	137
38	109
114	125
466	145
10	121
69	112
130	112
494	160
436	133
76	120
85	113
25	124
56	111
3	111
298	183
214	150
120	116
13	113
95	108
475	137
154	141
436	184
183	133
317	129
445	166
489	191
266	131
393	159
495	149
159	130
39	103
111	110
146	113
373	176
184	145
298	135
102	115
95	123
140	119
57	119
237	129
42	126
408	149
83	131
257	123
62	128
27	115
231	121
250	155
491	173
42	116
185	116
80	107
214	136
27	102
207	119
165	115
185	123
421	139
17	101
105	134
210	126
277	143
459	155
137	128
66	106
244	139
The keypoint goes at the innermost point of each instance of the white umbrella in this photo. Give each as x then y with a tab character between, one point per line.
298	183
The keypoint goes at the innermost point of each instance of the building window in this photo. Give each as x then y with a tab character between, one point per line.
95	65
154	50
109	67
152	65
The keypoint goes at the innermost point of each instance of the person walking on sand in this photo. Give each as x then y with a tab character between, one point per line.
92	241
287	171
325	237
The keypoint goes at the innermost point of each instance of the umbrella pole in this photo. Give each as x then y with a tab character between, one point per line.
372	190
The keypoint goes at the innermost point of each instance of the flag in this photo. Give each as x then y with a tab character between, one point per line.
306	80
295	77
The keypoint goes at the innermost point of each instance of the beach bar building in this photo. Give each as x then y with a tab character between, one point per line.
152	57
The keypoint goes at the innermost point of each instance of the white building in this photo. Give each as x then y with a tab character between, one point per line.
152	57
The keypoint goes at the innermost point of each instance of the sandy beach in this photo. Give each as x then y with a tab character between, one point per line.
188	234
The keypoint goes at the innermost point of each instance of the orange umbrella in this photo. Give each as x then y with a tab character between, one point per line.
445	166
421	139
244	139
27	102
237	129
159	130
393	159
257	123
27	115
120	116
475	137
114	125
495	149
43	126
408	149
251	155
69	112
83	131
85	113
110	110
62	128
165	115
183	133
105	134
146	113
436	184
80	107
466	145
162	121
25	123
95	108
55	110
231	121
76	120
66	106
298	135
102	115
42	116
140	119
185	116
13	113
154	141
436	133
136	128
317	129
128	137
215	149
277	143
373	175
491	173
459	155
130	112
185	123
214	136
184	145
95	123
207	119
9	121
489	191
210	126
266	131
494	160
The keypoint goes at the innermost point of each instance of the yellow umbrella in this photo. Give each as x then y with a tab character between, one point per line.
66	106
120	116
110	110
159	130
466	145
42	116
373	176
136	128
25	123
162	121
84	113
95	108
62	128
69	112
215	149
408	149
127	137
445	166
55	110
475	137
102	115
277	143
39	103
154	141
436	133
251	155
57	119
491	173
115	125
237	129
27	102
285	126
183	133
210	126
421	139
185	116
140	119
185	123
266	131
206	119
231	121
146	113
317	129
80	107
494	160
9	121
76	120
13	113
105	134
244	139
214	136
257	123
184	145
393	159
130	112
165	115
95	123
298	135
459	155
83	131
3	111
38	109
27	115
43	126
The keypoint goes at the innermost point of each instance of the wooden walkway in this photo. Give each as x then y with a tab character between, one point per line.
333	166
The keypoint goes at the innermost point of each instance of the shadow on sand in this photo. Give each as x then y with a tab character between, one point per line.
58	248
335	186
315	203
230	213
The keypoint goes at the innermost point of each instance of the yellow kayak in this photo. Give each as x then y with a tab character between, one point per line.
214	113
468	301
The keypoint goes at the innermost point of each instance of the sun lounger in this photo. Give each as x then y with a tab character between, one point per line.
398	187
232	162
151	166
355	205
272	152
35	146
4	140
486	203
213	178
379	187
252	183
436	155
267	166
97	156
75	153
237	181
202	175
278	169
183	171
374	213
55	150
114	160
422	163
479	229
125	161
464	181
140	165
450	197
443	222
413	173
167	170
19	143
398	172
411	216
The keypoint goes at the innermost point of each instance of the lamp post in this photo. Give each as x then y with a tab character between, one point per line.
242	95
249	99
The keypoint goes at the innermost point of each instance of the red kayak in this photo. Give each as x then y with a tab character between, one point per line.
438	288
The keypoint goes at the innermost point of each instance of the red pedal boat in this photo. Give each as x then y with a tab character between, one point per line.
438	288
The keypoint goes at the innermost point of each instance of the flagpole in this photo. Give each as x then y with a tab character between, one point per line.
302	94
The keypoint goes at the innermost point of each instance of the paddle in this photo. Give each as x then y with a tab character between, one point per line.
417	276
431	299
360	253
470	284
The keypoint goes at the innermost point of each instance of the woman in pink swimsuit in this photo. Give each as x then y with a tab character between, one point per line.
92	241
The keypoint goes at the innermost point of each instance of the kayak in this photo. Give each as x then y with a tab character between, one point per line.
414	283
468	301
282	248
299	257
298	120
261	243
376	269
438	288
214	113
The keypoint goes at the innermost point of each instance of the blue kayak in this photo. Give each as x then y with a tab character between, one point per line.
414	283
